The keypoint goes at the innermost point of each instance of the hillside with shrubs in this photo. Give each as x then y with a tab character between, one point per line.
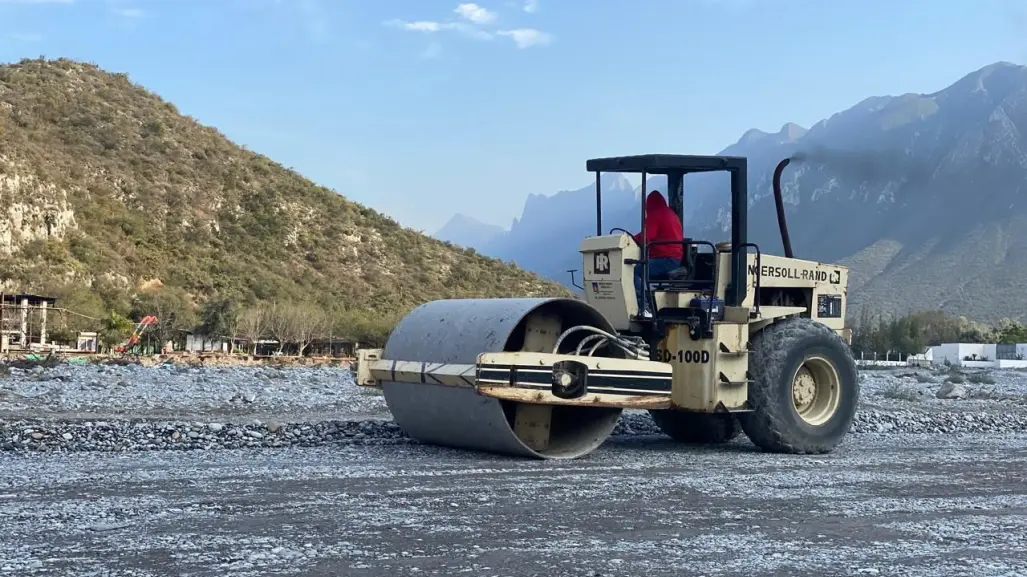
118	205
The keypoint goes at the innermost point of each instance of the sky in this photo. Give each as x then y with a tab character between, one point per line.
425	108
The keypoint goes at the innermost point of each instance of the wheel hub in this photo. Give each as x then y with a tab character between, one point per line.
803	389
816	390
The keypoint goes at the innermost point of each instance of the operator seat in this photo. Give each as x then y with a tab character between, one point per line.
687	269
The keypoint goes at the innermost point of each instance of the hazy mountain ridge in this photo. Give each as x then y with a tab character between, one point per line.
466	231
922	194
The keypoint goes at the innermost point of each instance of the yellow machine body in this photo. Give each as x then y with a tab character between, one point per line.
548	378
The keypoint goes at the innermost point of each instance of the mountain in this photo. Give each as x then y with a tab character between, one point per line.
545	238
105	187
463	230
923	195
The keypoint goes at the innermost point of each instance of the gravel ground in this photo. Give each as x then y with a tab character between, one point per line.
118	408
980	388
910	505
133	471
176	392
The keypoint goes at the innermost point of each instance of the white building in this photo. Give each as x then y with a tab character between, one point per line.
980	355
88	341
198	343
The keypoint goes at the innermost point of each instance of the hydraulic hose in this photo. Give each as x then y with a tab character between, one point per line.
779	201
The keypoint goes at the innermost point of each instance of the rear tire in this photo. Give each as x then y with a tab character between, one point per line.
804	390
696	428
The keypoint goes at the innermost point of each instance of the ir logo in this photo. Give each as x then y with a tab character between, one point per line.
601	263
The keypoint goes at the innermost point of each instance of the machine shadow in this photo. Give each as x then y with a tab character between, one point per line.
657	443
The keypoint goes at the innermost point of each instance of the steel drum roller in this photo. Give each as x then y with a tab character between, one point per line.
456	331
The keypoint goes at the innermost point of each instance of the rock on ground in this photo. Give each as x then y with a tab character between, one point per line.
981	387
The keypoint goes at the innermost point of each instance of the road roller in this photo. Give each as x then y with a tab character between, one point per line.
736	341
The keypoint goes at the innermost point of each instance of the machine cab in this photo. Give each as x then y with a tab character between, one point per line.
700	285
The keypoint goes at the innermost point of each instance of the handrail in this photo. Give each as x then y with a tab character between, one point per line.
647	295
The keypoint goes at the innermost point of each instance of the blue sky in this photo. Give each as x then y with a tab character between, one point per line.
423	108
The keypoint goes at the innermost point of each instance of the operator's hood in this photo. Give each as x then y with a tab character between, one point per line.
655	201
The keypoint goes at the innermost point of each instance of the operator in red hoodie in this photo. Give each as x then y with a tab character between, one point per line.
661	223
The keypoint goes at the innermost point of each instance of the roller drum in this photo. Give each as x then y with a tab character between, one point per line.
457	331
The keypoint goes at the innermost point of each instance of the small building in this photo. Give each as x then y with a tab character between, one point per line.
925	359
197	343
88	342
21	315
980	355
957	353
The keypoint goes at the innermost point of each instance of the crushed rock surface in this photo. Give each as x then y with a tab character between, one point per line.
918	389
138	408
170	391
143	471
909	505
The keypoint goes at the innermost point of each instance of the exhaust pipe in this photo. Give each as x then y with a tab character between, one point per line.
779	201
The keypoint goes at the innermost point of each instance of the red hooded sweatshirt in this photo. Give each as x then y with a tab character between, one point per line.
661	224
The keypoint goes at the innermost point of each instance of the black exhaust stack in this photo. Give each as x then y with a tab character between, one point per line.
779	201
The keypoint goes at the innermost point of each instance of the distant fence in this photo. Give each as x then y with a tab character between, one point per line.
914	362
873	363
887	357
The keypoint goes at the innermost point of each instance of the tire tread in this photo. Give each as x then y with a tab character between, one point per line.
767	426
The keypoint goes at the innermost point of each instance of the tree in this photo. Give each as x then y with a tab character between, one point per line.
173	310
218	320
252	324
85	309
913	333
1008	331
306	323
364	327
863	331
116	329
278	324
232	325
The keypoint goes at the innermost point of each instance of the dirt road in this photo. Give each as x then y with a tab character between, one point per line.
895	505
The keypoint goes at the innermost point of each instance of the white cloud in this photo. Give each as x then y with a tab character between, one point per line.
128	12
431	27
527	37
474	13
418	26
471	23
